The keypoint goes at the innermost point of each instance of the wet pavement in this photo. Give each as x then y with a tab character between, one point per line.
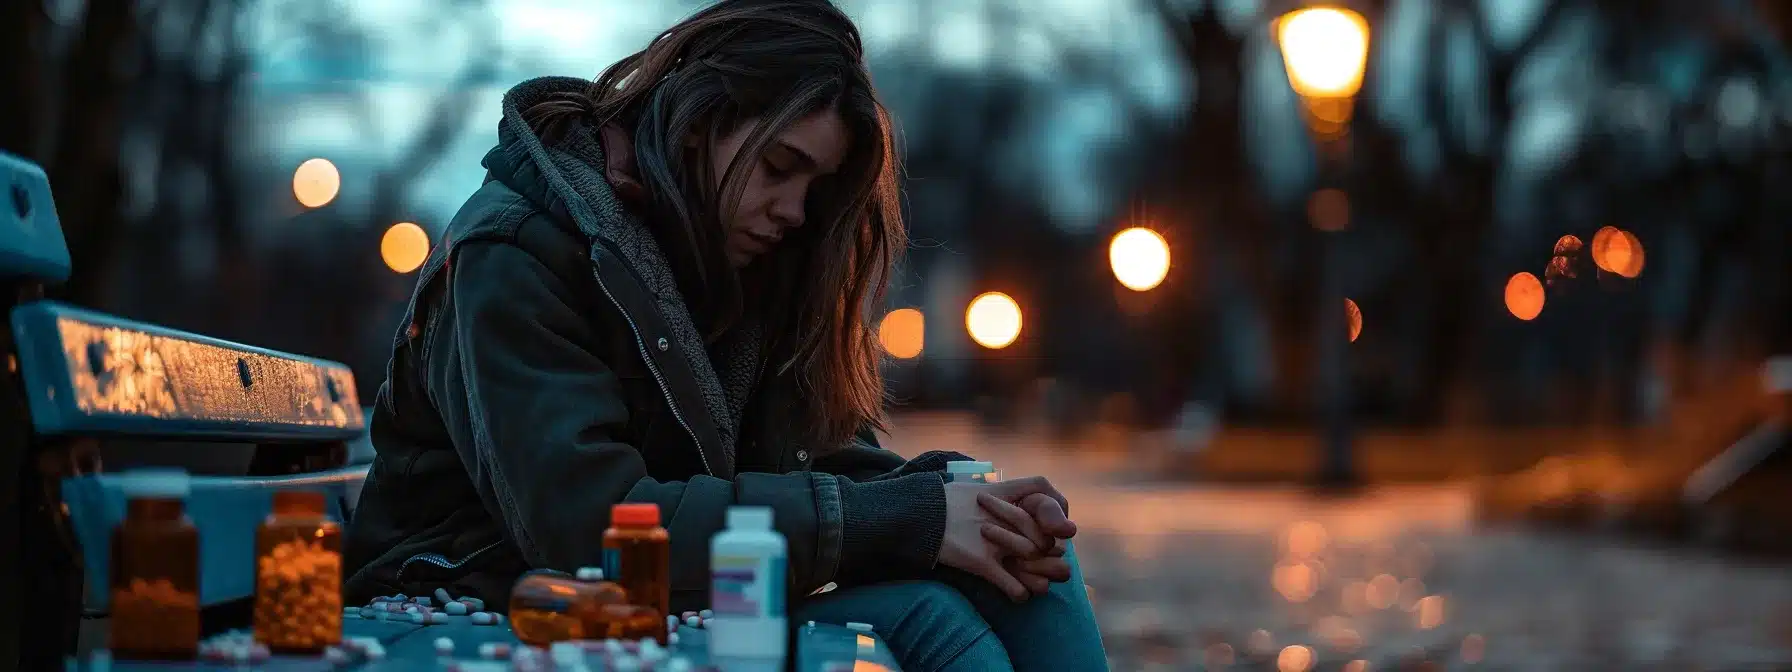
1199	576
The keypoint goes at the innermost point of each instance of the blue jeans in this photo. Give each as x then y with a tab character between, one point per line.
957	621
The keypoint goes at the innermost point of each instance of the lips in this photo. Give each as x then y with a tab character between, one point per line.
760	242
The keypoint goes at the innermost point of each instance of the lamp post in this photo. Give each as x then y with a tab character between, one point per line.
1326	49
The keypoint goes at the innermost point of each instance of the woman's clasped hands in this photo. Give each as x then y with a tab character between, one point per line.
1010	533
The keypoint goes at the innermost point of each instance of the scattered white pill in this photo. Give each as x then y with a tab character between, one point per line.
400	597
858	627
679	664
565	653
375	651
625	663
442	596
455	609
589	574
474	603
707	613
613	646
444	646
425	601
335	655
672	639
494	650
438	618
693	621
419	617
482	618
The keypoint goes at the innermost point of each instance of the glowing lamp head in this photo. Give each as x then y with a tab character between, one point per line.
1325	50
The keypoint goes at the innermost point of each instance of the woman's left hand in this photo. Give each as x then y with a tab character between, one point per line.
1032	533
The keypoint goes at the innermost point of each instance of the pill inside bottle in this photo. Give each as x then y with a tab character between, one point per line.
548	607
298	575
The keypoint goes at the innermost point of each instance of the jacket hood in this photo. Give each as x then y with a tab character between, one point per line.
567	180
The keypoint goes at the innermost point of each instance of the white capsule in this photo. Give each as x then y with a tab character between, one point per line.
858	627
693	621
672	639
482	618
437	618
678	664
589	574
565	654
707	613
425	601
444	646
455	609
376	652
474	603
613	646
335	655
625	663
494	650
419	617
442	596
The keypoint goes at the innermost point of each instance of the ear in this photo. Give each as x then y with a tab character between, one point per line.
619	163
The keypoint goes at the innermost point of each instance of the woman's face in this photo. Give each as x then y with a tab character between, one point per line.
778	183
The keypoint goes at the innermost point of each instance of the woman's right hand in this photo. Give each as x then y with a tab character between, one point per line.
970	525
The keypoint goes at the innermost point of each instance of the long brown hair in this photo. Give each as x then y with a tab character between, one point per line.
778	61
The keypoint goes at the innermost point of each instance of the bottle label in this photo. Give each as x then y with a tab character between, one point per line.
745	585
612	564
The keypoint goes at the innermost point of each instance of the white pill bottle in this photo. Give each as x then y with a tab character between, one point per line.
747	579
972	470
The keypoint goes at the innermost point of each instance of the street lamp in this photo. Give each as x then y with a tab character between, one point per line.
1325	49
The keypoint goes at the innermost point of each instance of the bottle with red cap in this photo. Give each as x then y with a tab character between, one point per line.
638	555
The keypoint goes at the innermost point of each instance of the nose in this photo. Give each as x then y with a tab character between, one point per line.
787	211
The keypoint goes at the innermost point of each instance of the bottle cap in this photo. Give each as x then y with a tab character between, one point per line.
635	515
299	502
749	518
856	626
166	483
969	467
589	574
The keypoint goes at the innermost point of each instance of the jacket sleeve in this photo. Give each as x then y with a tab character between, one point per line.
535	414
863	460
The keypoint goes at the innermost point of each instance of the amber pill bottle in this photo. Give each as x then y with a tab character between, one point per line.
298	575
548	607
638	555
155	570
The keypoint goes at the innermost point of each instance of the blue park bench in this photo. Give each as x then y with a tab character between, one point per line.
82	389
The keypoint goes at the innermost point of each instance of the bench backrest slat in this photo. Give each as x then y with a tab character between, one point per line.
92	374
31	242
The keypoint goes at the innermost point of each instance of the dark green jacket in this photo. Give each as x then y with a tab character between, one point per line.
546	370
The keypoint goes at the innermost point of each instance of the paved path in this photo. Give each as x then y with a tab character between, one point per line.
1191	576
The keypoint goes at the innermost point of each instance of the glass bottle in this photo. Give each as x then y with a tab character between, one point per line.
155	570
638	555
546	607
298	575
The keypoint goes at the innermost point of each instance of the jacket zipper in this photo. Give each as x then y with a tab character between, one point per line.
442	561
646	357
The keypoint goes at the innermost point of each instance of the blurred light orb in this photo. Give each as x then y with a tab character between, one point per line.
1354	317
404	247
1140	258
1567	245
316	183
993	320
1325	50
1525	296
903	333
1618	252
1295	658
